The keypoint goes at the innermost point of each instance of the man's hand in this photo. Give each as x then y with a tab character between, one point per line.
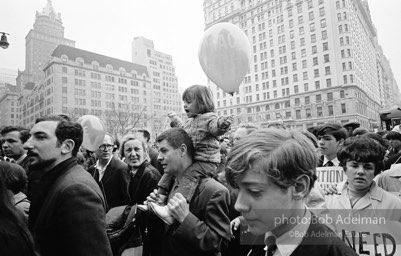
153	197
178	207
234	225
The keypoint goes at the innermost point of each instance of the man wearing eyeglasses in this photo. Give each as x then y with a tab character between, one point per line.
111	174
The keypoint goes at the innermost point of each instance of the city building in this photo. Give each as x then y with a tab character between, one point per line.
7	76
9	111
312	62
79	82
391	92
40	42
165	96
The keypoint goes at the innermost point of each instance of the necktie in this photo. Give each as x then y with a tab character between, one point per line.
271	246
96	175
329	163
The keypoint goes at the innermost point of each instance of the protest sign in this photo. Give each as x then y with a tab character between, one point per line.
381	238
327	176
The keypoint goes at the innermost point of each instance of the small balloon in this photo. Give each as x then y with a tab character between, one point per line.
224	54
93	132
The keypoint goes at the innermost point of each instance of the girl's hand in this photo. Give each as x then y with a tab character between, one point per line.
225	121
172	115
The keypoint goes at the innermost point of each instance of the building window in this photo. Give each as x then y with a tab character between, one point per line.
306	87
64	69
328	82
329	96
311	16
319	111
296	90
304	64
321	11
305	75
325	46
342	94
343	108
317	85
331	112
327	70
323	23
64	80
314	49
297	102
308	113
318	98
307	100
298	114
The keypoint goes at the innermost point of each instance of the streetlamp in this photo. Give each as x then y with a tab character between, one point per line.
3	42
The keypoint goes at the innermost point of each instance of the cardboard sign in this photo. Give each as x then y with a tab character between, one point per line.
327	176
373	239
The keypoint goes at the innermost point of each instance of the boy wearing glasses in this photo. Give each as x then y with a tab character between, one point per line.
111	174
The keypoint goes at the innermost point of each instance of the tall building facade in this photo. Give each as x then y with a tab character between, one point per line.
7	76
164	83
40	42
9	111
312	61
79	82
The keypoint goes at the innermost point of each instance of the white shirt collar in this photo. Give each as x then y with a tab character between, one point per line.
102	170
19	160
289	241
335	161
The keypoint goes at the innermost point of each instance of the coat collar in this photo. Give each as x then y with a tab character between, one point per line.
374	195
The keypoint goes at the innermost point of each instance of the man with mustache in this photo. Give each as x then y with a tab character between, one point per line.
67	213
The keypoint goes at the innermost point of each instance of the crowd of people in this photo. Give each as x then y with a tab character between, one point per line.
207	189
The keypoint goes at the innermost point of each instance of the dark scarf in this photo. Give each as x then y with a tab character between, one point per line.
40	189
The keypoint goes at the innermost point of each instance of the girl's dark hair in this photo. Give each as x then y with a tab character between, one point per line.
201	96
14	176
362	149
8	213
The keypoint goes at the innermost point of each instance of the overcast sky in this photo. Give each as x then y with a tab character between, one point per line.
176	26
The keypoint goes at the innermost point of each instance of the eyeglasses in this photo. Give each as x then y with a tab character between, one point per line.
104	146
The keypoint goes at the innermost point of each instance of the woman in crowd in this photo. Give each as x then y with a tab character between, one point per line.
15	239
16	181
144	179
362	159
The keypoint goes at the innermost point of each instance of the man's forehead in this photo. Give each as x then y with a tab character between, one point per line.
107	139
45	126
326	135
163	144
252	177
12	134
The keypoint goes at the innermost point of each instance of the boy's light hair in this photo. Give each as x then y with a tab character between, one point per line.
284	155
